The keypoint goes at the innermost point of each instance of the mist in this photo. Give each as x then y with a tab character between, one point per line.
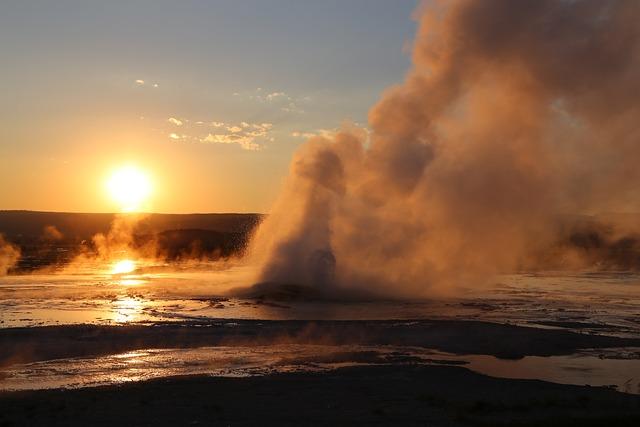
512	114
135	237
9	255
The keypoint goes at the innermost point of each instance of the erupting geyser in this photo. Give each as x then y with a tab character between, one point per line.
513	112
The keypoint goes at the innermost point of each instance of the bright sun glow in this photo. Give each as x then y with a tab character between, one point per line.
123	267
129	187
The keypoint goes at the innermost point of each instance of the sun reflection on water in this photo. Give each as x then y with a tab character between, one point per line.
127	309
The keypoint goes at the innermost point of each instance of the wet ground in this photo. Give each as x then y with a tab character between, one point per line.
94	327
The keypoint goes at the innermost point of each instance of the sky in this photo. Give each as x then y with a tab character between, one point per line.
209	98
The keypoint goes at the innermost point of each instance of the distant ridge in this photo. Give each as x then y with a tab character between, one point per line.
81	226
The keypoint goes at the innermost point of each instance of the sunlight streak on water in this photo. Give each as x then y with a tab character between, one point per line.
127	309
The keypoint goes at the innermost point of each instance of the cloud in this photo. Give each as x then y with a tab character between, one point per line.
247	142
325	133
277	99
249	136
292	108
277	95
141	82
297	134
219	138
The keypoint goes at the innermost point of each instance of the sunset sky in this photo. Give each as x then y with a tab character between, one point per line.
210	98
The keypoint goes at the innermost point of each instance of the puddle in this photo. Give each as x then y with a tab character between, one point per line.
617	368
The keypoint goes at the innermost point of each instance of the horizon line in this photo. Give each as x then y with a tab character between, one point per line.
131	213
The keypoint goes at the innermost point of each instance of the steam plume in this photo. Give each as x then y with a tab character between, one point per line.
9	255
50	233
116	244
513	112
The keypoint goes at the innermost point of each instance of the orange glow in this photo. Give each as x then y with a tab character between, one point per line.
130	188
123	267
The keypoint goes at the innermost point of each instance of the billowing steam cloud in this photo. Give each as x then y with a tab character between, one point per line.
9	255
514	112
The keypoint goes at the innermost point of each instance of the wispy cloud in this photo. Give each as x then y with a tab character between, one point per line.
249	136
141	82
327	133
277	99
246	142
277	95
297	134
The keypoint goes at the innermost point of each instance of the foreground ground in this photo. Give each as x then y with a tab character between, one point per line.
392	390
378	395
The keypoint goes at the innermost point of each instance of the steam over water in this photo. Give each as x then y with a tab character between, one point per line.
605	304
514	112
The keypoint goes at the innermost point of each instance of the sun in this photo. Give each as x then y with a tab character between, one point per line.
130	187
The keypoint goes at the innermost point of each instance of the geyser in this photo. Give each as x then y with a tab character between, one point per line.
513	112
